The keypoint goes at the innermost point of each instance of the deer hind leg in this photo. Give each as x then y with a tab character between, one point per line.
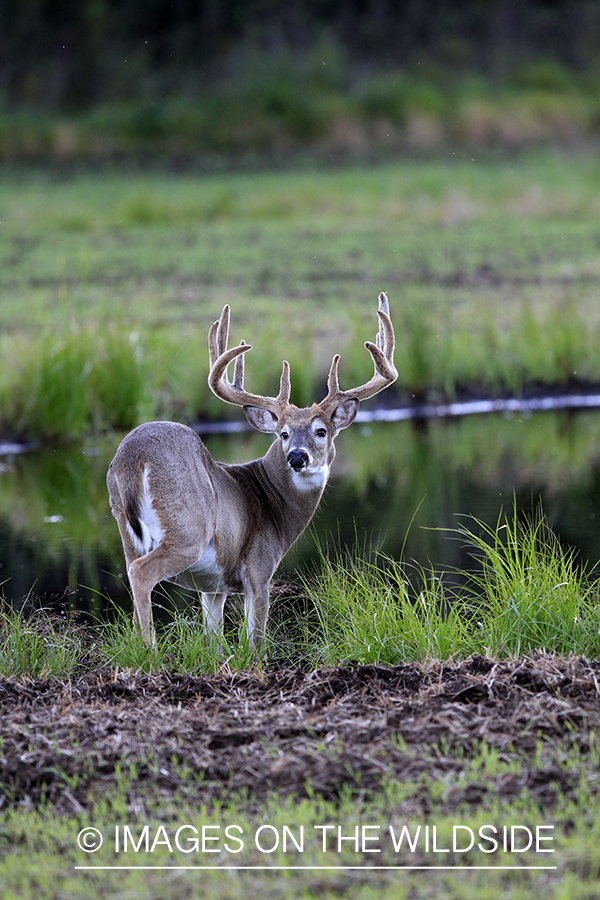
144	574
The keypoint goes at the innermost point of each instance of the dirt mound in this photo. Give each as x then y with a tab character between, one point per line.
280	730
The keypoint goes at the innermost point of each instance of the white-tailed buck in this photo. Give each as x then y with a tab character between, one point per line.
223	529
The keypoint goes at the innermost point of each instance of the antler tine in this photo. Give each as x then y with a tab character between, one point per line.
285	385
332	378
213	353
382	353
223	329
238	375
234	392
384	307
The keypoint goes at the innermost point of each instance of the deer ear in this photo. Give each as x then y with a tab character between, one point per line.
261	419
344	414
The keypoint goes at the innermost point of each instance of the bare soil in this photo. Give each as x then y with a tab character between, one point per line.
65	742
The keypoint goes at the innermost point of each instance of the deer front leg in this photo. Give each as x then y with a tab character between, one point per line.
256	611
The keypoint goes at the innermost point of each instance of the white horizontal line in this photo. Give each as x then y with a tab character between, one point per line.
312	868
473	407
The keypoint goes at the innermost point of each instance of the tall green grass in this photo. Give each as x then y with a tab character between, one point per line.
527	594
369	613
37	646
78	381
532	592
88	379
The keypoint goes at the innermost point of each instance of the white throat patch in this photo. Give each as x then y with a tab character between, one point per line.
311	479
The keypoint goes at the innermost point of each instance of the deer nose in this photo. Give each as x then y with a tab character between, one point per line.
297	459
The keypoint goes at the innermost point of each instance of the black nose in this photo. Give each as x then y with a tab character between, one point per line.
297	459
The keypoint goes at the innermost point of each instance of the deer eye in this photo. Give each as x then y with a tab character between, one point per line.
284	435
321	432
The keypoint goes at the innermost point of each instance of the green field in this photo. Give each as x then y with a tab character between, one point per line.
112	279
40	850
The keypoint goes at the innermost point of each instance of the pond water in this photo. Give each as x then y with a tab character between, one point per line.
394	484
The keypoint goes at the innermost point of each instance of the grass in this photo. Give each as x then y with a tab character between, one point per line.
491	268
40	851
37	646
81	381
528	595
537	593
367	614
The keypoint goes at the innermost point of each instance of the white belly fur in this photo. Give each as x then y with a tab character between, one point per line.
205	575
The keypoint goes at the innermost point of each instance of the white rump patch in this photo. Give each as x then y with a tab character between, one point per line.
152	530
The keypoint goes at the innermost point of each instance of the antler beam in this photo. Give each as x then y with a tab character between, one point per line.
233	392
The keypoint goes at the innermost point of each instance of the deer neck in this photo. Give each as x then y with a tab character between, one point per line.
298	494
282	498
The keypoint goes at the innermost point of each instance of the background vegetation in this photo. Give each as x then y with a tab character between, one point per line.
103	78
110	280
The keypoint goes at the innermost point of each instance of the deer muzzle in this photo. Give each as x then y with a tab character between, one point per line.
298	459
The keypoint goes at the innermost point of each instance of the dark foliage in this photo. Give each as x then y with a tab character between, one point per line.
73	53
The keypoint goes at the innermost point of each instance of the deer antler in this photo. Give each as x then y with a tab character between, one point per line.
382	353
221	357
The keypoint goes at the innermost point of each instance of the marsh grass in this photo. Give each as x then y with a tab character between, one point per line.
81	380
532	592
182	645
490	267
86	379
41	643
367	612
525	594
37	644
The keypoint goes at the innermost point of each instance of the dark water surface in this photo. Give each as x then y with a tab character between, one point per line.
57	533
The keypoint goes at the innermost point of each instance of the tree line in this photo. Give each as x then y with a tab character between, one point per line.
73	54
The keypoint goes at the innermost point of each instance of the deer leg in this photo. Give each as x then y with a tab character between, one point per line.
145	573
142	611
256	610
212	605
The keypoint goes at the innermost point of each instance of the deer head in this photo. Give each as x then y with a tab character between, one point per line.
306	434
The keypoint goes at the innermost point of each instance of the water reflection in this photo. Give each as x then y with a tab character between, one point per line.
57	533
